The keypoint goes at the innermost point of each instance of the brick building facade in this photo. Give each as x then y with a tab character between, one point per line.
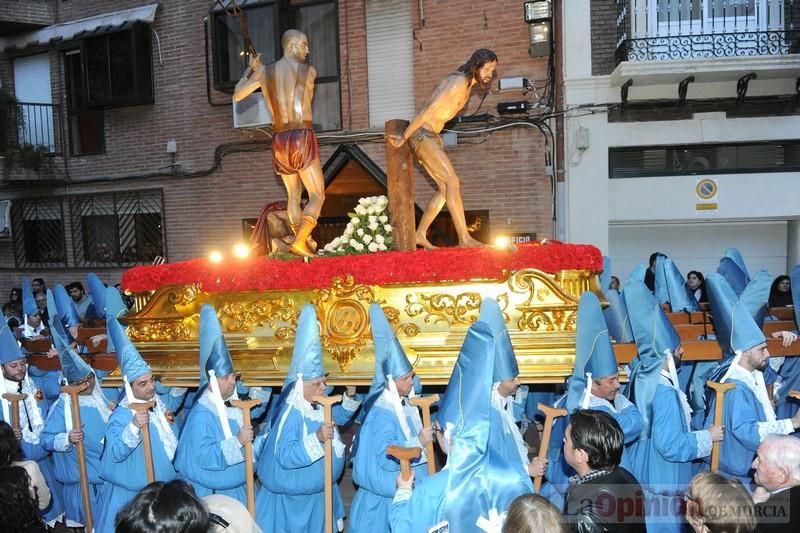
221	176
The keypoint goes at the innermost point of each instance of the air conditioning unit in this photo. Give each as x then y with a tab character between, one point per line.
5	218
251	112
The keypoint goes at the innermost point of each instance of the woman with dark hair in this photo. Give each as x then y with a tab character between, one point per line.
162	507
19	509
13	307
780	294
11	456
697	284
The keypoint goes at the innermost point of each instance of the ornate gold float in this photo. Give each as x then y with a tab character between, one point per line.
431	320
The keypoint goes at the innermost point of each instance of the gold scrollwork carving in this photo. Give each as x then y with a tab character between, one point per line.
173	330
547	319
460	309
183	295
343	314
245	316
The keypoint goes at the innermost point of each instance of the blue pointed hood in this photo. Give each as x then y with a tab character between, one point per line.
605	275
756	295
594	352
480	479
616	315
661	286
639	272
214	354
97	290
734	270
307	352
735	328
680	296
9	347
130	362
390	359
29	306
655	337
65	308
73	366
505	362
52	311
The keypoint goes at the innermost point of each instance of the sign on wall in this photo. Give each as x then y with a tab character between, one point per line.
707	202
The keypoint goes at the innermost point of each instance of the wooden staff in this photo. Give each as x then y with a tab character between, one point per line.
424	404
75	407
148	452
404	455
14	399
719	390
550	414
327	403
245	406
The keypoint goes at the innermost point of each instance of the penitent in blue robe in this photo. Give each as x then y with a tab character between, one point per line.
292	499
65	457
122	465
424	509
665	463
558	471
204	457
374	472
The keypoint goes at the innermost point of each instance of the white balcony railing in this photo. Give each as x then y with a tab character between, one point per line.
650	30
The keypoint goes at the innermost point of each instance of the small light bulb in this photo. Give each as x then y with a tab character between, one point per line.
502	241
215	256
241	250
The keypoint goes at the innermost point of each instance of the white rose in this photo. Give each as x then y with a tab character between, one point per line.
373	226
352	242
383	219
367	239
355	221
361	210
387	228
382	247
347	231
359	247
372	218
379	239
360	232
373	247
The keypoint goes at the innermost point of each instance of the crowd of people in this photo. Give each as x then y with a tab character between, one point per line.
628	457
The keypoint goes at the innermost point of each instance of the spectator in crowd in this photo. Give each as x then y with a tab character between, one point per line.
780	293
777	479
38	286
11	455
614	284
228	515
12	309
79	297
19	508
697	284
593	443
716	504
531	513
160	507
41	303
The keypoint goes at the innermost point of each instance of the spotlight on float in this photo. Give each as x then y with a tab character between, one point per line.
241	250
215	256
503	242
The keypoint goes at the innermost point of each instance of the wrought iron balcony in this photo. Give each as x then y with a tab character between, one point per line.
652	30
30	135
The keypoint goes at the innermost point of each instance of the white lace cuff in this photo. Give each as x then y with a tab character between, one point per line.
232	451
177	392
130	435
313	447
704	443
338	447
351	404
403	494
61	442
776	427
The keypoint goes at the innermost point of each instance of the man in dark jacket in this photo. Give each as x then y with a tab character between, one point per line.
777	476
602	497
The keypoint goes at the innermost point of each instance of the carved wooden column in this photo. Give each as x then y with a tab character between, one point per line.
399	164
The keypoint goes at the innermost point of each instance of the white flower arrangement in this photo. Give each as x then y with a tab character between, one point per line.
369	229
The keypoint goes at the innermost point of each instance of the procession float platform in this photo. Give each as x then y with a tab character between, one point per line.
430	297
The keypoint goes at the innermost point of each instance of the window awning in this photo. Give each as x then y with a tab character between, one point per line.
77	29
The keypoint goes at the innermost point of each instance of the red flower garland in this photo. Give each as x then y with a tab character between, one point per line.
382	268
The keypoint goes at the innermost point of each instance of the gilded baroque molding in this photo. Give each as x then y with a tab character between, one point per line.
245	316
460	309
166	330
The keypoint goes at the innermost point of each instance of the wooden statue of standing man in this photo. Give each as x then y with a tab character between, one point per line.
449	97
288	89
